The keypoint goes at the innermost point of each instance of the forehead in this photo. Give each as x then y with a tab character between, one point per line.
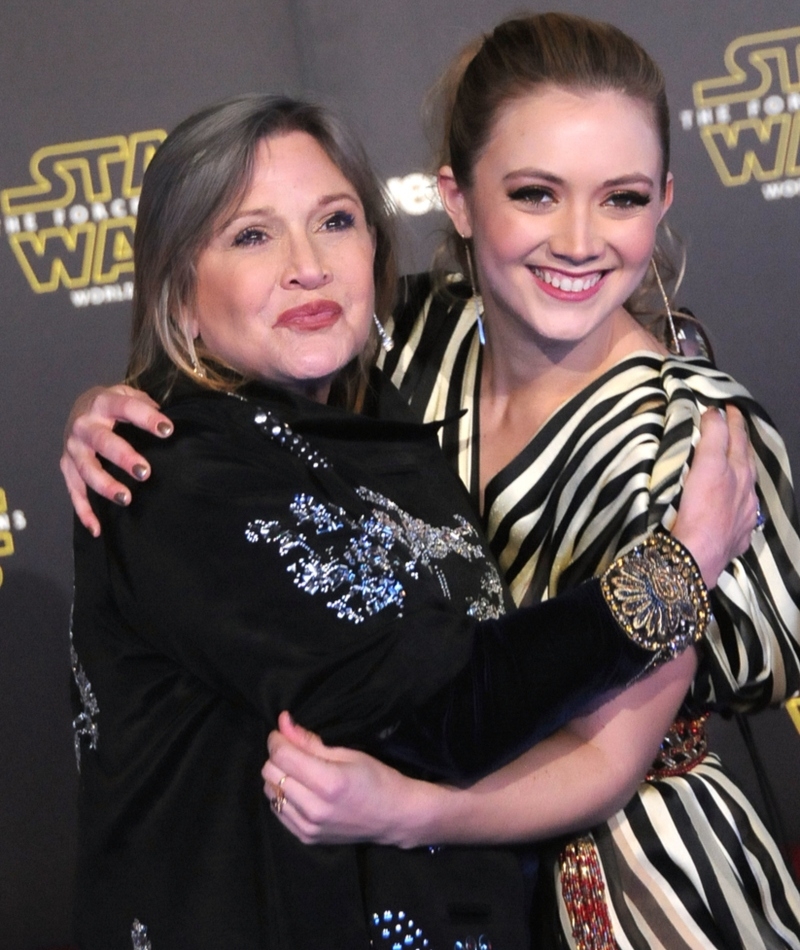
569	127
293	165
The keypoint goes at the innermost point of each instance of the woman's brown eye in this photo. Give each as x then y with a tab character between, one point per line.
629	199
340	221
249	236
532	194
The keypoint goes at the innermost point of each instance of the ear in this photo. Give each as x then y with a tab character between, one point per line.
454	201
668	194
189	322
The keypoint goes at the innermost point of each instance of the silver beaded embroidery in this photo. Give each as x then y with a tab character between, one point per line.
84	725
395	929
139	939
426	542
488	607
362	558
274	427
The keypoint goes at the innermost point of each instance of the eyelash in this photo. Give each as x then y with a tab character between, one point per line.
539	196
628	199
532	194
339	221
252	236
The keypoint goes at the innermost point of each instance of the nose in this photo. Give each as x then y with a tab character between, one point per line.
305	265
576	239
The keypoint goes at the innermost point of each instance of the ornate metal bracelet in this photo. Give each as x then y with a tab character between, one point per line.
657	595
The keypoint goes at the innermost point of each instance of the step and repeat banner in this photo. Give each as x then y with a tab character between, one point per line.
90	90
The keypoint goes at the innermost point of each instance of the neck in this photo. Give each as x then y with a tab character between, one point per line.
526	378
518	360
317	393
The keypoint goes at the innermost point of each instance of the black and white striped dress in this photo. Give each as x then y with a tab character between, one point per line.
687	863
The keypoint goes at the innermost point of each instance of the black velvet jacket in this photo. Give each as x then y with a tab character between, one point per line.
289	555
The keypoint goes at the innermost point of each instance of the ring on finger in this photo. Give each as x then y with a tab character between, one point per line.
761	519
279	800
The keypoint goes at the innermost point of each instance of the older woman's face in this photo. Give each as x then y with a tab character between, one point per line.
285	287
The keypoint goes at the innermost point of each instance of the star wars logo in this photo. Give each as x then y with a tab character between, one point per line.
72	226
749	119
8	520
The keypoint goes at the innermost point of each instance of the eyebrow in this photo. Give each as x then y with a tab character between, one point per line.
632	179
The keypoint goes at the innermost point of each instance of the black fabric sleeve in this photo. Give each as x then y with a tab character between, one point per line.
227	612
528	674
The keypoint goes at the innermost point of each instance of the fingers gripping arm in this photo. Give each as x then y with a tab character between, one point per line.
89	433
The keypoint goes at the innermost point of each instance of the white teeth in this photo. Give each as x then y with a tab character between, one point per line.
569	284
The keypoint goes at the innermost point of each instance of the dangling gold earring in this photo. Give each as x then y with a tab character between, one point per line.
386	341
475	294
676	346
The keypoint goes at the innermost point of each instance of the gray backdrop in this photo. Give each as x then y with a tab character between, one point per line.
86	87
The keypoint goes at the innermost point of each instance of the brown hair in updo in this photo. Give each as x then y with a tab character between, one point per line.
524	54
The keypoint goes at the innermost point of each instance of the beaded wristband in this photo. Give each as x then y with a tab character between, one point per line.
657	595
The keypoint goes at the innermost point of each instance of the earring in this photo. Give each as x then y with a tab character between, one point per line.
386	341
676	346
475	294
197	369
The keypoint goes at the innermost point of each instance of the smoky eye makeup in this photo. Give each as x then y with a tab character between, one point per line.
629	198
532	194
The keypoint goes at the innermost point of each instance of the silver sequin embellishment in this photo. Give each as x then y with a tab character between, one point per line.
139	939
395	929
489	606
361	559
84	725
274	427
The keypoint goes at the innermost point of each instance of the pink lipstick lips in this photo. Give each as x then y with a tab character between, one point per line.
317	315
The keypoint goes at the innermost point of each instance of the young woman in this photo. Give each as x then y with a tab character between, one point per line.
580	426
555	175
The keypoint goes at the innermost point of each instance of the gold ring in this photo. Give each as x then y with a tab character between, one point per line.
279	800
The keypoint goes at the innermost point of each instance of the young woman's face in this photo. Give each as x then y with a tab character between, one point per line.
563	210
285	288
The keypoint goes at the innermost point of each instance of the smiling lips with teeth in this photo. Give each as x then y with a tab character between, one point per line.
562	282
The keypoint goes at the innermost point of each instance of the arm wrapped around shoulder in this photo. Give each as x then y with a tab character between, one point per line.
532	671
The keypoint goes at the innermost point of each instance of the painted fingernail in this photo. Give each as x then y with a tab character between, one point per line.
121	498
164	428
139	472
